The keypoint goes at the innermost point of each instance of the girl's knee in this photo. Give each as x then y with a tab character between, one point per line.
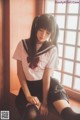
31	113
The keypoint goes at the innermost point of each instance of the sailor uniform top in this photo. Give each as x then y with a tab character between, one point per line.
46	57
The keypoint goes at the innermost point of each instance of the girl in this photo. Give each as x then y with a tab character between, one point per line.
37	58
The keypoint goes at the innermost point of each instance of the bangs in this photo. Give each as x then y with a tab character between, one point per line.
46	22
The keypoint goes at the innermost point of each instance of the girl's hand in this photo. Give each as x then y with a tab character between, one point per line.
34	100
43	110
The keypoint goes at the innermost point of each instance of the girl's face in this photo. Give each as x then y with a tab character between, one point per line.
43	35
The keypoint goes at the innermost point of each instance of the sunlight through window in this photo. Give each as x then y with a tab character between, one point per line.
68	19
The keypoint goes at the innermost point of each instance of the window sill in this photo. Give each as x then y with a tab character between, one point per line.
73	94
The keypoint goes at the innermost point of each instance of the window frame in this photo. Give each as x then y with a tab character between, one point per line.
69	90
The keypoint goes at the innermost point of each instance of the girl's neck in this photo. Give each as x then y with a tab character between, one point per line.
38	42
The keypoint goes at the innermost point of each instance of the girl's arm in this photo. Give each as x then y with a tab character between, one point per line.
46	84
51	65
22	79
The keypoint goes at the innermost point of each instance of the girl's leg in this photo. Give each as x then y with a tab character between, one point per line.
60	105
63	107
60	100
26	110
31	113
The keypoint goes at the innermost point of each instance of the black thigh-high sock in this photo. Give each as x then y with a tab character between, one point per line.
31	113
69	114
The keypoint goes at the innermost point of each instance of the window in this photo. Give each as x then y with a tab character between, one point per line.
68	18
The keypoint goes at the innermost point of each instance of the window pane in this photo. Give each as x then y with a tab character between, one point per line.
77	71
69	52
57	75
68	66
70	37
49	6
79	38
60	8
73	8
72	22
78	54
79	22
77	84
60	20
60	47
67	80
61	36
60	64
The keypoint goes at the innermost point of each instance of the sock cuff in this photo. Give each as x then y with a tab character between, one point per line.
68	114
66	111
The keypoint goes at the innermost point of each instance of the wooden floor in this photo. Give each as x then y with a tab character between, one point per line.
75	105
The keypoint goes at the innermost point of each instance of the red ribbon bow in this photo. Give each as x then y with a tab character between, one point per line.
33	64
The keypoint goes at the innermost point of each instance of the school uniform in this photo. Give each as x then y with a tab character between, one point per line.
46	57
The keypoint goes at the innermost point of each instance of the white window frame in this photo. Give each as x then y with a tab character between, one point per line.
71	89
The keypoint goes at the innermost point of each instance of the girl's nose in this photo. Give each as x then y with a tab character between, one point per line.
44	34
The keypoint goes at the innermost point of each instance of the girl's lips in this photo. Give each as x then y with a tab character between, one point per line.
41	38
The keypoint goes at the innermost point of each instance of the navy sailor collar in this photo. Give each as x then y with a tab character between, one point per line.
46	46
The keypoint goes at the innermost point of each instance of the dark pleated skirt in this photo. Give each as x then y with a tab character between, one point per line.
56	92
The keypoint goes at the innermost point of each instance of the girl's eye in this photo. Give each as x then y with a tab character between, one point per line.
41	30
48	33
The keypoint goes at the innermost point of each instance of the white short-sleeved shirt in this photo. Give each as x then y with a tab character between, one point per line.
46	60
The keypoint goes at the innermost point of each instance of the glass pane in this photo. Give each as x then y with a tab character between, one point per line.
78	54
67	80
77	71
60	50
73	8
61	36
60	8
77	83
60	21
57	75
49	6
79	22
79	38
60	64
68	66
72	22
70	38
69	52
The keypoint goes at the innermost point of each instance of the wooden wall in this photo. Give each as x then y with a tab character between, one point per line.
1	56
4	54
22	13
